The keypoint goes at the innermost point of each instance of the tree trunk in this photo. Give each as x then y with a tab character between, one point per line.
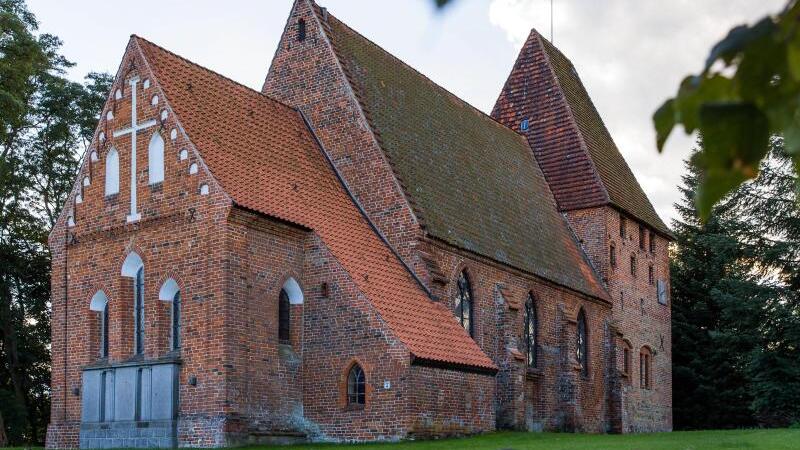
9	337
3	437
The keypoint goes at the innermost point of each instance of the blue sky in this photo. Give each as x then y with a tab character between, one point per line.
630	54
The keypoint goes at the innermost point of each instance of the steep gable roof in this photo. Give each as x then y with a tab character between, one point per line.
579	152
472	182
267	160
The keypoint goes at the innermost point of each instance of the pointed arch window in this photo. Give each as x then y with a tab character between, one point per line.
170	292
464	302
138	311
582	344
112	172
283	318
99	304
356	386
155	159
531	332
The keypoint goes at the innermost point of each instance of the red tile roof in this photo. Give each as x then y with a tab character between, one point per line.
264	156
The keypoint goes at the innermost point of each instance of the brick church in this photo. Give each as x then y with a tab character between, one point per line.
352	254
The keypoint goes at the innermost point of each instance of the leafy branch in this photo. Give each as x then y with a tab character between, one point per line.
748	91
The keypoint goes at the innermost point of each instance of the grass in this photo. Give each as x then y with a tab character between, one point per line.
778	439
679	440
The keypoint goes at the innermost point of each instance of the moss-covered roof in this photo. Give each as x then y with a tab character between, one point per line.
473	182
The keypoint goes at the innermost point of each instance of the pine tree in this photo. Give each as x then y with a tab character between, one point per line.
735	303
772	205
710	270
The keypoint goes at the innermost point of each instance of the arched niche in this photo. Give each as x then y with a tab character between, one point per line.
112	172
131	265
155	159
293	291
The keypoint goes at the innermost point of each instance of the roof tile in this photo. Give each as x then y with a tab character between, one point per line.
474	182
264	156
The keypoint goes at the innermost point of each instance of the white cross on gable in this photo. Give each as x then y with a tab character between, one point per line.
132	130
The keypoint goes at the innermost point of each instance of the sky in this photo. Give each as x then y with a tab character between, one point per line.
630	54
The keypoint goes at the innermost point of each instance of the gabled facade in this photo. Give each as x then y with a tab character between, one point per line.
353	253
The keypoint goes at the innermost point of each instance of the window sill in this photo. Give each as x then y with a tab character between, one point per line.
354	407
137	360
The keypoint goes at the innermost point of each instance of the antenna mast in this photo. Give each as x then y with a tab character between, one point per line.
551	21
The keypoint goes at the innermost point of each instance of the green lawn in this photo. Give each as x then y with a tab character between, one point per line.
680	440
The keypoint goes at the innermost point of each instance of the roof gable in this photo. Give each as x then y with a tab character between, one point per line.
578	155
472	182
265	157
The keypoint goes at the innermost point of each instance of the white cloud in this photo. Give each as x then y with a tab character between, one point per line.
631	55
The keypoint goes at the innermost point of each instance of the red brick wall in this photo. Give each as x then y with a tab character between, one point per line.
308	76
450	403
340	329
639	318
554	396
263	378
180	235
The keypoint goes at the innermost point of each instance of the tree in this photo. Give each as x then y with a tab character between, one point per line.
709	267
748	91
45	123
735	311
771	205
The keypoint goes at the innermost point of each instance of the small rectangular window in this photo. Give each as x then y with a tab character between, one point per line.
301	30
633	265
641	237
651	275
652	242
622	226
626	360
612	255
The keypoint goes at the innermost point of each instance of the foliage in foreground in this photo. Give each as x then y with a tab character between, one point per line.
45	123
748	91
736	303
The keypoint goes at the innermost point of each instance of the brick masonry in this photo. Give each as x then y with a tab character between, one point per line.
239	385
639	320
307	75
